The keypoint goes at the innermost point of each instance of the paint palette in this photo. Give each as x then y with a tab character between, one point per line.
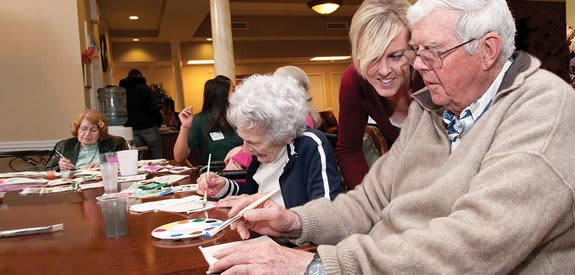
185	229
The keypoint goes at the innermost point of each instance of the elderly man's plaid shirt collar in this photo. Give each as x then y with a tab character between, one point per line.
457	126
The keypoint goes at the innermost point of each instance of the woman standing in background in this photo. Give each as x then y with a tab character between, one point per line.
378	84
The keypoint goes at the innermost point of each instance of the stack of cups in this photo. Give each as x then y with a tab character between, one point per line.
109	170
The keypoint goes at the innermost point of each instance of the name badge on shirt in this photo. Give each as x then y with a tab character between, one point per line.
216	136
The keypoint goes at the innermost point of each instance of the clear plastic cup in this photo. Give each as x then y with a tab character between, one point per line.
109	172
115	215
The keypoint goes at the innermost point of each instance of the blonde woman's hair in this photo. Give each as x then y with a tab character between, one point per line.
373	26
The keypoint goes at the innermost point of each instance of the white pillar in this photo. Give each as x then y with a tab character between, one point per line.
222	39
177	72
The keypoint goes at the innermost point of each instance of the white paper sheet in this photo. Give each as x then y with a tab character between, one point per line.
173	204
189	207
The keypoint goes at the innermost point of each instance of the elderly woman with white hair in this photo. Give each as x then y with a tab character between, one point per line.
269	113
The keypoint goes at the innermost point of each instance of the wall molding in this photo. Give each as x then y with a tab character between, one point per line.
11	146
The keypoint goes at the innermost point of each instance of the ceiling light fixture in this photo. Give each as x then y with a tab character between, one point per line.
200	62
133	17
330	58
209	39
135	39
324	6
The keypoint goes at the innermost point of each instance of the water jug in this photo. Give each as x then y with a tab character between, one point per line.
112	101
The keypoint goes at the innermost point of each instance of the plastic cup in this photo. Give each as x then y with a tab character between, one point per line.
128	160
109	157
115	215
109	172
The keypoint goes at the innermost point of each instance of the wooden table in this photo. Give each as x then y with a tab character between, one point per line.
82	248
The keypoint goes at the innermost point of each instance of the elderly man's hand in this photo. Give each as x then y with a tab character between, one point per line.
268	219
261	258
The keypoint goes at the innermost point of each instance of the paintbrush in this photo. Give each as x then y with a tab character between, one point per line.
253	205
32	230
207	177
62	156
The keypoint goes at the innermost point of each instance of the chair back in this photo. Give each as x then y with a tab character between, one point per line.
329	122
374	144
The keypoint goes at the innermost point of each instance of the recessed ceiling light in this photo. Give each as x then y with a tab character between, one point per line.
135	39
200	62
133	17
330	58
209	39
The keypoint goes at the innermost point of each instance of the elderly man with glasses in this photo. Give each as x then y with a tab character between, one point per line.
480	181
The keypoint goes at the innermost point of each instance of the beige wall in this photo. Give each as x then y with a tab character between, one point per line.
570	12
194	77
40	69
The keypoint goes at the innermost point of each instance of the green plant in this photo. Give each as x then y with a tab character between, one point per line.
159	93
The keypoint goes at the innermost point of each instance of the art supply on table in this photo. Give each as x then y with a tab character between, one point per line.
253	205
185	229
185	204
167	179
32	230
51	175
207	177
185	188
57	189
189	207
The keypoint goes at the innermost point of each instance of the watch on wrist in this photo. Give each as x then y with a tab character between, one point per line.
315	267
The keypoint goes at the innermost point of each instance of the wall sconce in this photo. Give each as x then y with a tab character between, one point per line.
324	6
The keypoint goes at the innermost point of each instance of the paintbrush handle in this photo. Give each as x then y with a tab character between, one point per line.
258	202
62	156
240	214
29	231
207	178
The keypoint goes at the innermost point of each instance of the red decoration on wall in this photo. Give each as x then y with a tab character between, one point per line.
88	55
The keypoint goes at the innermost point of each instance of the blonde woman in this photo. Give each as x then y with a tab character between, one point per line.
377	85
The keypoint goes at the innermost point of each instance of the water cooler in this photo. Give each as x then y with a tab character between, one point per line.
112	103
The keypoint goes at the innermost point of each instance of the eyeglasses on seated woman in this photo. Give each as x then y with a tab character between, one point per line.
90	139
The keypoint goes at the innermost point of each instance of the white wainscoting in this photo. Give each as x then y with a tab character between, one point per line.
11	146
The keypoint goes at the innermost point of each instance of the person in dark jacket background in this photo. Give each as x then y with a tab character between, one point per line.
143	113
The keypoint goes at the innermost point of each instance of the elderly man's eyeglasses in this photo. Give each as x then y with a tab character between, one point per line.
92	130
433	59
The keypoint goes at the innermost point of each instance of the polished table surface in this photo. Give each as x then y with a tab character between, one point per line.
83	248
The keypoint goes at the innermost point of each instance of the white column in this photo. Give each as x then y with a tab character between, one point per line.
222	39
177	72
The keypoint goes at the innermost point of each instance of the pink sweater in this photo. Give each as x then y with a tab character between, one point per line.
244	158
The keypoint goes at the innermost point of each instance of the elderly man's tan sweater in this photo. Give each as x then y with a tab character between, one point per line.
502	202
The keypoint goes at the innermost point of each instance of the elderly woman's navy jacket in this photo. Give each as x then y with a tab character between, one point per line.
310	173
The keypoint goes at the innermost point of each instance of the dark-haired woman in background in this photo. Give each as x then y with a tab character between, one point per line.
209	131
